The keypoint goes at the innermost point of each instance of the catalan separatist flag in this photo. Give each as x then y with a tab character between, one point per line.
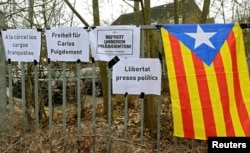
208	80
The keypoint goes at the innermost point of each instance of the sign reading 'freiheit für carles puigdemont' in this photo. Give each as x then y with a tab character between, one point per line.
67	44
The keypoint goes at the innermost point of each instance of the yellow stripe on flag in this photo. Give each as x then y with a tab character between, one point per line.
193	93
227	62
177	116
215	100
242	67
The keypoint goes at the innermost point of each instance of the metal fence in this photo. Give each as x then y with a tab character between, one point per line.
45	90
33	84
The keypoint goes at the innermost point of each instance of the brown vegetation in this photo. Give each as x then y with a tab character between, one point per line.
15	137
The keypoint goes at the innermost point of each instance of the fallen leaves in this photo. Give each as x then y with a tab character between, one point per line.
90	136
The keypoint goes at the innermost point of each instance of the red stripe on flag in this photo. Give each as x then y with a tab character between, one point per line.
205	98
224	96
241	107
186	110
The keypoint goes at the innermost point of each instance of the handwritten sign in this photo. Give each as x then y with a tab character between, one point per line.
67	44
137	75
110	41
22	45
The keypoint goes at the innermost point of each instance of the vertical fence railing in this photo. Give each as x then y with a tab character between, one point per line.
36	94
50	104
126	116
93	103
11	111
79	104
23	95
142	121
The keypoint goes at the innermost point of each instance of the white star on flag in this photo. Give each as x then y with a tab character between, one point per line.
202	37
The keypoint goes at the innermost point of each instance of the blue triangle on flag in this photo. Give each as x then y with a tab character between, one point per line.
204	40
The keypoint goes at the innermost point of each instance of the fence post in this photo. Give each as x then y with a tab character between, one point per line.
3	102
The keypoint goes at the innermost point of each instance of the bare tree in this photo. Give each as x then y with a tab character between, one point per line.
102	65
150	106
3	102
137	13
205	11
176	11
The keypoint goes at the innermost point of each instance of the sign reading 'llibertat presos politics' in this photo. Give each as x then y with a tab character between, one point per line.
22	45
67	44
110	41
135	76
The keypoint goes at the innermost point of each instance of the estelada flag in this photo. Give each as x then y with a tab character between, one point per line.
208	80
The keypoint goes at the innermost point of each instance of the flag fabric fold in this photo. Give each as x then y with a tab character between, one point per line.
208	80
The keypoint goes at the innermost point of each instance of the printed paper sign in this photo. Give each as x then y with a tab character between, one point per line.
137	75
67	44
110	41
22	45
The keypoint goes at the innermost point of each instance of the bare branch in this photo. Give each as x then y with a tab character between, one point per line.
76	13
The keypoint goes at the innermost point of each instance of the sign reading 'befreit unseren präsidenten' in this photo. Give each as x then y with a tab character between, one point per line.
22	45
67	44
110	41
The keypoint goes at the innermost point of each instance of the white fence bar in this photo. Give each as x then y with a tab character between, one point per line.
142	119
23	95
64	98
79	104
126	117
10	90
158	124
36	94
50	96
93	104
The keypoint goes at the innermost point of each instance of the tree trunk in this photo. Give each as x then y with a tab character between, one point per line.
137	20
3	103
176	12
102	65
205	11
183	11
29	85
150	106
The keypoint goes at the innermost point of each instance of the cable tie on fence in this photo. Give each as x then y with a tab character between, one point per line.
160	56
39	29
93	60
158	26
35	62
244	25
113	61
48	28
49	60
126	94
2	30
78	61
142	95
9	60
93	27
